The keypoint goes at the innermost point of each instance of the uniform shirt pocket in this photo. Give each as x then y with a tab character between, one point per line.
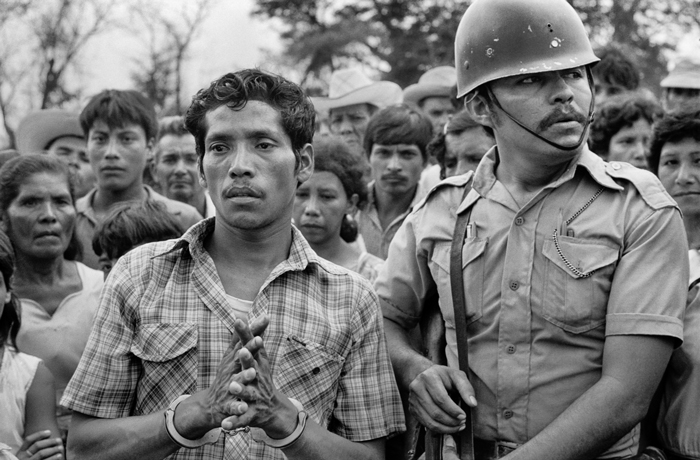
309	372
472	276
572	301
169	357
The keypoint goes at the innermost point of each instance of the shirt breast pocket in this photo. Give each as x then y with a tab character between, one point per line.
472	275
573	301
169	357
309	372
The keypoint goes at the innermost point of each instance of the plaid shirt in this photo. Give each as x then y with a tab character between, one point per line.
164	324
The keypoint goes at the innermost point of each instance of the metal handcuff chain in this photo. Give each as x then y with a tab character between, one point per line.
555	236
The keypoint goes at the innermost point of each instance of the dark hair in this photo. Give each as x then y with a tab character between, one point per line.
616	68
619	112
116	108
459	123
174	126
16	171
399	124
672	127
234	90
332	154
10	320
129	225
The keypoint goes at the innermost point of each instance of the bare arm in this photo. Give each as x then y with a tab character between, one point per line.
41	434
429	384
145	437
632	368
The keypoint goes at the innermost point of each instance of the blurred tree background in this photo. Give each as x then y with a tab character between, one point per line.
42	42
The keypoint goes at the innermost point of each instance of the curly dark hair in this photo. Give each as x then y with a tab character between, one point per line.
234	90
672	127
332	154
619	112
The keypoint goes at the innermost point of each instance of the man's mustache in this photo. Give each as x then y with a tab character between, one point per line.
559	116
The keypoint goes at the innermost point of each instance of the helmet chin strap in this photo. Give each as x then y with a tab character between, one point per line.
589	119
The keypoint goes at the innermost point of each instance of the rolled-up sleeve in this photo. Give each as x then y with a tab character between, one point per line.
649	290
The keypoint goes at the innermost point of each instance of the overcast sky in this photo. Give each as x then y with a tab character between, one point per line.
229	40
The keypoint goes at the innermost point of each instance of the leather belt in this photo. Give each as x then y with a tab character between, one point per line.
489	450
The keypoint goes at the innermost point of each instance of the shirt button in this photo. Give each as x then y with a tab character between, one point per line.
510	349
514	285
508	413
519	221
615	165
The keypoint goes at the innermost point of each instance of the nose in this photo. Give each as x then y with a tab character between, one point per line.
394	162
346	127
311	206
562	92
685	174
180	169
48	212
112	149
241	162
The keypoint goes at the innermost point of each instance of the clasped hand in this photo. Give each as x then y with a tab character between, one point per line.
243	394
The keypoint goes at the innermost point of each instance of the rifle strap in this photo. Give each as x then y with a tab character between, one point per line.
465	443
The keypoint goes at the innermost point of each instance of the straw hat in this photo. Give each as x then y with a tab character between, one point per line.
436	82
351	86
38	129
686	74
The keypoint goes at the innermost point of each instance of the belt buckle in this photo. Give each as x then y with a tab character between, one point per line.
504	448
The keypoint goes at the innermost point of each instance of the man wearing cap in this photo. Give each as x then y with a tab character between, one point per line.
682	85
58	132
570	271
433	95
352	100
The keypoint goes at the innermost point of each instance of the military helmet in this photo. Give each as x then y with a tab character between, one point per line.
502	38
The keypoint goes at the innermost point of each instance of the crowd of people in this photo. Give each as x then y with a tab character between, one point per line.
501	260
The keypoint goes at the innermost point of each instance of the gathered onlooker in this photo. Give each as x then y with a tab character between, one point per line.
682	84
675	151
28	422
175	167
324	206
622	128
130	225
59	296
461	146
396	143
120	127
614	74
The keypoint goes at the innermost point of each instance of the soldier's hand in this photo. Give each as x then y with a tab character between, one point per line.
429	398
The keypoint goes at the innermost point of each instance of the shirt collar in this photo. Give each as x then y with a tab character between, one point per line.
300	252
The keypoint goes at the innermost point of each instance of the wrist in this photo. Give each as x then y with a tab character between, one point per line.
264	436
284	422
180	434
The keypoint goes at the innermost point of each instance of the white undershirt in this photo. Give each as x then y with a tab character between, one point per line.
240	307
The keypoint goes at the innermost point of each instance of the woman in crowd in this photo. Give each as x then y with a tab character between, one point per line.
27	407
59	296
675	157
325	203
622	128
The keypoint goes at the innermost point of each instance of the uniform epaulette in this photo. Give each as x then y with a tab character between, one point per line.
457	182
647	184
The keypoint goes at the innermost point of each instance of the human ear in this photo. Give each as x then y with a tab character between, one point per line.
480	110
305	168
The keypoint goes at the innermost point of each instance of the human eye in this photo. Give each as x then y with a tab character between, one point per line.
574	73
98	138
218	147
301	193
265	145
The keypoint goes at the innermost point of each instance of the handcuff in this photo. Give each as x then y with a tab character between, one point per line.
212	435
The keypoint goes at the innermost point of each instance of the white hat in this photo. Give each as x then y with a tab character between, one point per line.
39	128
686	74
436	82
351	86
